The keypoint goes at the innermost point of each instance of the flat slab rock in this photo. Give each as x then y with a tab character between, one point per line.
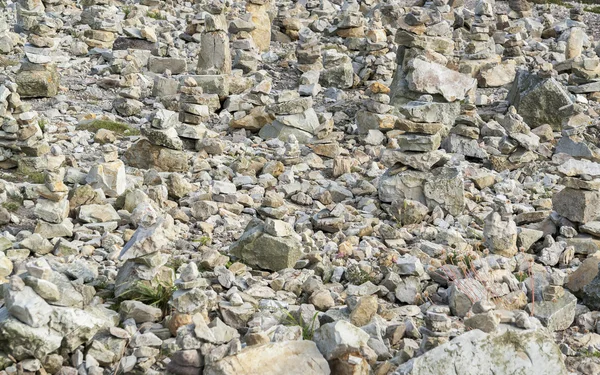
478	353
288	357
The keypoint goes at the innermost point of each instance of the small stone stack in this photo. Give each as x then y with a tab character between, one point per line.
246	52
293	115
415	56
52	208
481	46
214	57
146	255
579	201
436	330
10	103
31	142
337	70
379	62
194	105
38	76
161	130
375	114
464	135
308	51
101	16
352	22
518	146
29	14
110	174
7	42
262	32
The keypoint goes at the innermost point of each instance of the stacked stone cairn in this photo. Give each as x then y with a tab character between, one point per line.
246	52
38	75
101	16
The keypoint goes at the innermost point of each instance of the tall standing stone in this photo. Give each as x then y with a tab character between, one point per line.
214	57
262	33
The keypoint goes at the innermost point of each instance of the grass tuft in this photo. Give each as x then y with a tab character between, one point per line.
114	126
155	14
12	206
593	9
158	294
308	329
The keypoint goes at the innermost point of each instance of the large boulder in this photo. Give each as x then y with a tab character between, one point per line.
539	100
477	353
288	357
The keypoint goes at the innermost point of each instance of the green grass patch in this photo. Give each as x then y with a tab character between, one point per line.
555	2
42	124
308	328
593	9
12	205
155	14
158	295
114	126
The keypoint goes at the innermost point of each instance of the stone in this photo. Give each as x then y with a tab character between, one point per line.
96	213
432	78
475	352
257	248
555	315
139	312
498	74
144	155
445	189
24	341
577	205
110	177
37	82
463	294
500	236
539	100
337	339
27	306
292	357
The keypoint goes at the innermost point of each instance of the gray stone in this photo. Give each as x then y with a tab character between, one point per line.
503	353
500	236
290	357
555	315
539	100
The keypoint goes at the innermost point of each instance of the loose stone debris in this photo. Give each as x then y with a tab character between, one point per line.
304	187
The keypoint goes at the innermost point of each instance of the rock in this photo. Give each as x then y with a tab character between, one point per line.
139	312
293	357
27	306
500	236
555	315
37	80
258	248
511	351
432	78
110	177
337	339
24	341
577	205
445	189
462	295
498	75
539	100
144	154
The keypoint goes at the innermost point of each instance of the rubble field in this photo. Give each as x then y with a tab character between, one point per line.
299	187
